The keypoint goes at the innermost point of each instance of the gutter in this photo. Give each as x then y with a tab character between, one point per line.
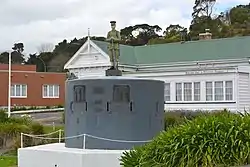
206	62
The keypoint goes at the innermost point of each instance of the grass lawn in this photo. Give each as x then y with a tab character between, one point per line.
49	129
8	161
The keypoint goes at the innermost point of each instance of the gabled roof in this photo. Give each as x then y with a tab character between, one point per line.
89	44
215	49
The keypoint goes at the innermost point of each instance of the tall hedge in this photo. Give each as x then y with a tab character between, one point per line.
221	139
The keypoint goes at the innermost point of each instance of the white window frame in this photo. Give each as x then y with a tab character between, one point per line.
191	90
22	94
167	92
53	91
219	91
211	89
224	89
197	91
179	95
188	91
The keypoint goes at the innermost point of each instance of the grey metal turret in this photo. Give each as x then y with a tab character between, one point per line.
113	107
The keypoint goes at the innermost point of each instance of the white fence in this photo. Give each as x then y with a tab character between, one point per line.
60	138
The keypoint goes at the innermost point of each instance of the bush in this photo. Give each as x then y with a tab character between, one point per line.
63	117
37	129
3	116
59	106
11	129
220	139
174	118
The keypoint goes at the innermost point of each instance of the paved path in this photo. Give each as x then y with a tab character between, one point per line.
46	118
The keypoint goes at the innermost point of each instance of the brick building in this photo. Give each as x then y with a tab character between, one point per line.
31	88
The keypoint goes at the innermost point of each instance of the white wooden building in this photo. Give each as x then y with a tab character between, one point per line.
203	75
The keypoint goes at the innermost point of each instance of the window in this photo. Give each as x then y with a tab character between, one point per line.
18	90
178	91
188	91
121	93
167	92
209	91
229	90
79	93
50	91
197	91
218	91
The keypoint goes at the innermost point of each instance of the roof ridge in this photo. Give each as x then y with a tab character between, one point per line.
196	41
107	42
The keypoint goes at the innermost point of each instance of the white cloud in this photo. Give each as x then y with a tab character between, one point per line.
36	22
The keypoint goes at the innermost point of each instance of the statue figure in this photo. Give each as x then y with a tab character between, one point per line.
114	37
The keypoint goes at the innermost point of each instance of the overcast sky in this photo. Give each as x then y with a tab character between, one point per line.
35	22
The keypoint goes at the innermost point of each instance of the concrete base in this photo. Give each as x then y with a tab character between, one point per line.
113	72
57	155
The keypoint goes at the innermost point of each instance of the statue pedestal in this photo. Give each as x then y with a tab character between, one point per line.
57	155
113	72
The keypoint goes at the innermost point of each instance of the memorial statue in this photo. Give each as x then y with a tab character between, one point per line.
114	37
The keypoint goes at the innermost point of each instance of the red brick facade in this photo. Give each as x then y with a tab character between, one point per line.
34	83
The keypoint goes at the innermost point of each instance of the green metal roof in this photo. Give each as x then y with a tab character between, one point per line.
215	49
127	53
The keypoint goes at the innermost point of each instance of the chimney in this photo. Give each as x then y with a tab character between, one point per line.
205	36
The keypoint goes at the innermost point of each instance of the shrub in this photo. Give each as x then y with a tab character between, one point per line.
173	118
63	117
220	139
59	106
3	116
37	129
22	120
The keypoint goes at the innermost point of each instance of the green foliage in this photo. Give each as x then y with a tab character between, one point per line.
59	106
37	129
3	116
174	118
11	129
8	161
219	139
63	117
133	158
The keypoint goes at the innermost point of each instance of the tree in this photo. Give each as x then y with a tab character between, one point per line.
45	47
203	8
61	46
199	25
202	19
32	59
126	34
16	56
57	63
240	16
176	33
4	58
145	32
35	60
236	21
18	47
